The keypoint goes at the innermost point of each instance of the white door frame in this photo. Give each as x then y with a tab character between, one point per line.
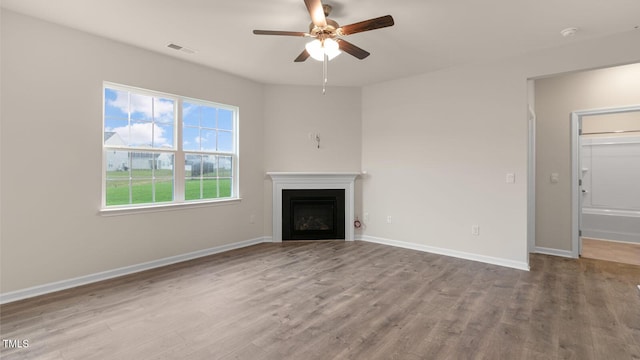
531	170
576	171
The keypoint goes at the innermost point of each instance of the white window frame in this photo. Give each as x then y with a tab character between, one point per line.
178	153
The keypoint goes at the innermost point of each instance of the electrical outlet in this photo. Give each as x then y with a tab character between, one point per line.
475	230
389	219
365	217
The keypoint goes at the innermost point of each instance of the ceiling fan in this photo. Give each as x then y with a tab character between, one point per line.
328	34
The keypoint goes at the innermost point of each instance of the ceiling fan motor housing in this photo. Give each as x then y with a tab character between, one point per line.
328	31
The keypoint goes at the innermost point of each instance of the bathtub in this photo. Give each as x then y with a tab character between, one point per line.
618	225
611	188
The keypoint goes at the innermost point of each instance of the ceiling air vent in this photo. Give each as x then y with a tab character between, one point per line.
181	48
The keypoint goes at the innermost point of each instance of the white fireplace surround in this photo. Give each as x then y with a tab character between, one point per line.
313	180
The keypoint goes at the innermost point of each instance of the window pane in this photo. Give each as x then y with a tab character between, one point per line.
208	139
117	192
113	130
164	190
196	166
143	164
208	117
163	136
117	164
225	119
192	189
224	166
193	169
208	166
141	191
202	165
140	134
225	141
164	166
191	161
163	111
116	104
201	177
141	107
209	188
190	114
191	138
225	187
134	120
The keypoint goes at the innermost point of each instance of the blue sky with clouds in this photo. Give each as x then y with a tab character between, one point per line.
151	119
206	128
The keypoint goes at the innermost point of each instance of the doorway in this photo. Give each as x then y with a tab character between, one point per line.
606	184
553	222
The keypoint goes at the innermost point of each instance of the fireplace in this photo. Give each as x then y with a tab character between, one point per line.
284	181
313	214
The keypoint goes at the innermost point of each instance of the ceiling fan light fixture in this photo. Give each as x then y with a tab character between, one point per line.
327	34
317	49
331	48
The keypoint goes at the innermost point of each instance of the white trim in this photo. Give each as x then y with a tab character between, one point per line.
448	252
110	274
531	171
576	190
555	252
177	150
313	180
158	207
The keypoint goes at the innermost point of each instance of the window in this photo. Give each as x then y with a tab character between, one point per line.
164	149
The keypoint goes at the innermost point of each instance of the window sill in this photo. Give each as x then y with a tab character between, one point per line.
116	211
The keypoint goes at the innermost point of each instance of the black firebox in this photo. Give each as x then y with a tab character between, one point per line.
313	214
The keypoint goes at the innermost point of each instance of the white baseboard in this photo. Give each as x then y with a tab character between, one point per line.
110	274
447	252
554	252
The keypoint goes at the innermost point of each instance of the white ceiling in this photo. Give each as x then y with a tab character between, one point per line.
427	35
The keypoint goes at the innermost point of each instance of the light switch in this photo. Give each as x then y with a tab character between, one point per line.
511	178
555	178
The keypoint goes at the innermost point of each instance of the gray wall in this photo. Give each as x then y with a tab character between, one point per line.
292	113
438	148
556	98
51	108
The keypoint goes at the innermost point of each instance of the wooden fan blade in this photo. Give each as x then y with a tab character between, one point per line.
371	24
352	49
304	55
317	12
276	32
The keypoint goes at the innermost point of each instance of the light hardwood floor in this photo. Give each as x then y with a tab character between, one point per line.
626	253
338	300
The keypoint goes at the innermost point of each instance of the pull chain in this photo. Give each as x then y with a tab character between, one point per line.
325	76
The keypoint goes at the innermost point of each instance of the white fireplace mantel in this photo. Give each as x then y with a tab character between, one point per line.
313	180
